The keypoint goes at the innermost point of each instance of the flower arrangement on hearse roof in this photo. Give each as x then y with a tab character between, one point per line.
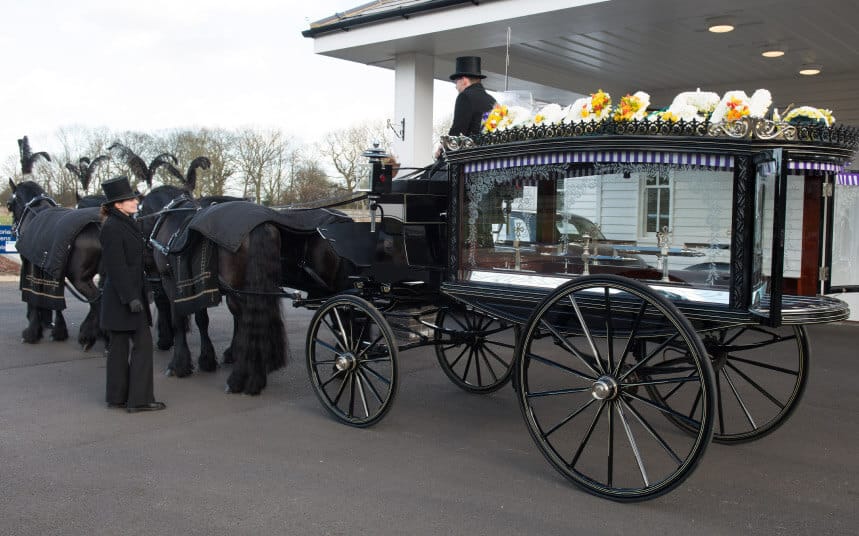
702	108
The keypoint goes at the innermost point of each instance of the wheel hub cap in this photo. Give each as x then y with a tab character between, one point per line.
604	388
345	362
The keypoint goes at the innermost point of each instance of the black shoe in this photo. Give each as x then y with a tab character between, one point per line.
115	405
152	406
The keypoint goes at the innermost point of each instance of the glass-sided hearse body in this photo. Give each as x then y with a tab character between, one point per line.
730	228
645	284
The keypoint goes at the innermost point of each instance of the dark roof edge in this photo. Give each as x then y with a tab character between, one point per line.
400	12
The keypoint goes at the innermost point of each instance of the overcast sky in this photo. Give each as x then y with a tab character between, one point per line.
160	64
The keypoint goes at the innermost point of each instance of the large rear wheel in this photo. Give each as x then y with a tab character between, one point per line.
586	359
761	374
352	360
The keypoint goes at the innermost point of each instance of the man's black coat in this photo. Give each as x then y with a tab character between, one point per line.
468	111
122	246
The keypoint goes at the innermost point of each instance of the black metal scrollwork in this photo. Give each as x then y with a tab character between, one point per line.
745	128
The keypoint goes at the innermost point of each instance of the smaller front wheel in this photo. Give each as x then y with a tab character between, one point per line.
352	360
478	357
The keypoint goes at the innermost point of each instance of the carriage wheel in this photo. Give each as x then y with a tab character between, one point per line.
761	374
585	360
479	357
352	360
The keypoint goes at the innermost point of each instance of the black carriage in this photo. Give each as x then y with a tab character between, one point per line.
646	286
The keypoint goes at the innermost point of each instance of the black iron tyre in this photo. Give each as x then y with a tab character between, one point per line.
584	362
479	357
761	374
352	360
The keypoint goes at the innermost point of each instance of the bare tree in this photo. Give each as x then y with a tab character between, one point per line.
310	183
259	159
217	145
343	149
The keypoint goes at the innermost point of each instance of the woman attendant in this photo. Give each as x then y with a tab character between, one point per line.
125	309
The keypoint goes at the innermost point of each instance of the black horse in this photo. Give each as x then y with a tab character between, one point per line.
250	277
82	261
259	344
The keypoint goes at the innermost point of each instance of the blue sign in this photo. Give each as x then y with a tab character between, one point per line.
7	242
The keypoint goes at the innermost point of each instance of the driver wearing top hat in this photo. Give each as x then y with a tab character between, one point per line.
472	101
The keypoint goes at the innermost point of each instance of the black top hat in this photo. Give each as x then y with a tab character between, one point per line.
467	66
118	189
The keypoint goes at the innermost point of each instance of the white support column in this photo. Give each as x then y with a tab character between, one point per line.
413	99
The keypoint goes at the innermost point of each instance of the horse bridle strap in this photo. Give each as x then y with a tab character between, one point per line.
171	207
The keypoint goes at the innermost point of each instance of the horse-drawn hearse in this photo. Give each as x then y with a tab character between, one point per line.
646	284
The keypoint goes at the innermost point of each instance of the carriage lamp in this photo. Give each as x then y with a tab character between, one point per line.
380	179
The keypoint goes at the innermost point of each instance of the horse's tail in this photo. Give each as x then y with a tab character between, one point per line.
261	334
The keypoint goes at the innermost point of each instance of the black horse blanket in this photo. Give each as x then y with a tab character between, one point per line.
44	243
227	225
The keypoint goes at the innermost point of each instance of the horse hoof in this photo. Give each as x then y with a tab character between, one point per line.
87	347
168	372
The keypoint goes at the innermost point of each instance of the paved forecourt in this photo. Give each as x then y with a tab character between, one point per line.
442	461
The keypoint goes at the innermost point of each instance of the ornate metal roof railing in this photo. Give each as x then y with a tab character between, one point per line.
747	128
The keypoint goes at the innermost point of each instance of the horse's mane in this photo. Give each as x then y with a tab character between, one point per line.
29	189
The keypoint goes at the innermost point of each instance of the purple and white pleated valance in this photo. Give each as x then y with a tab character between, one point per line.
713	161
812	166
850	178
719	162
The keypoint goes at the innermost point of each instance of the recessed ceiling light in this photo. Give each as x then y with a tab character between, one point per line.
720	25
810	69
772	53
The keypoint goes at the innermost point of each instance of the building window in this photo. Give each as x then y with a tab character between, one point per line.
656	203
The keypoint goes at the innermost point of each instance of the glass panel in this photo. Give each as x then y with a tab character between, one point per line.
596	227
764	183
845	237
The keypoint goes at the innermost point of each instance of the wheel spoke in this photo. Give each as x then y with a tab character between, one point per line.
649	357
327	346
664	409
371	386
553	392
340	391
739	399
632	337
633	445
754	384
371	345
482	353
587	332
462	353
566	344
662	382
375	373
587	437
361	394
610	454
336	334
501	344
551	363
763	365
568	418
653	433
346	345
496	357
609	330
331	379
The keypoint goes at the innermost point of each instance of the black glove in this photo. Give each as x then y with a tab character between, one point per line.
135	306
